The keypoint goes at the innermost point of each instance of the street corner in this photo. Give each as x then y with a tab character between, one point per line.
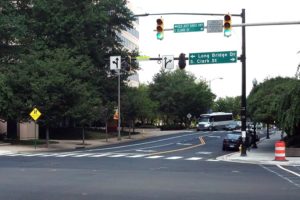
5	152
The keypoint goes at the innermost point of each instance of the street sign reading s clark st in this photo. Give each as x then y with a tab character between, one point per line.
213	57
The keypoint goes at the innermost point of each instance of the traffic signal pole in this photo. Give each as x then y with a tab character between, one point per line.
243	98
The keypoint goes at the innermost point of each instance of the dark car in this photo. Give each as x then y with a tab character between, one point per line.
232	141
232	126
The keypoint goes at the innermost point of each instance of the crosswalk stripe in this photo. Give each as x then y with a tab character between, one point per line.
153	157
117	155
13	154
173	158
95	155
194	158
137	156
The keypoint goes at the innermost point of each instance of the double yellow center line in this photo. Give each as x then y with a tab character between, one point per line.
202	142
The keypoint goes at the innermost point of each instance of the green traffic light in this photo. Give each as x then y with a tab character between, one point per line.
160	36
227	33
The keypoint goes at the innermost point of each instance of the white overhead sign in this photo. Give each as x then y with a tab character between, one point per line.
214	26
168	62
115	62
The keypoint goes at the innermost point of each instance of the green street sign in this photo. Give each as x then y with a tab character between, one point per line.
213	57
193	27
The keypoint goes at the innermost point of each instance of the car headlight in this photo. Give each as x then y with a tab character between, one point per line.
206	125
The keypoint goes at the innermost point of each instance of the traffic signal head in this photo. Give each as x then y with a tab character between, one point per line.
160	29
128	63
227	25
181	61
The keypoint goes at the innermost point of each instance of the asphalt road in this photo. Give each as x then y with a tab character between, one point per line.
181	166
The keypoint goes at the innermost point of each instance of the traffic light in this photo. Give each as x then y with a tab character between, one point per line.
227	25
160	29
181	61
128	63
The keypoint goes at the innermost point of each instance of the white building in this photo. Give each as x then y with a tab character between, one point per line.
130	40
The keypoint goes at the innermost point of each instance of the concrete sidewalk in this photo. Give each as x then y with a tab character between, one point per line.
264	154
63	145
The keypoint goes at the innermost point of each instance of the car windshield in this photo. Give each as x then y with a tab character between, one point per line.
232	136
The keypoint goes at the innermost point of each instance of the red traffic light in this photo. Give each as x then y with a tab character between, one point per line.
227	17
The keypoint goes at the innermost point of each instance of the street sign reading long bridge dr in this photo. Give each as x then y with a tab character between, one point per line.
213	57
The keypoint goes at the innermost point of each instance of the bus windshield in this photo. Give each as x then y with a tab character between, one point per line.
204	119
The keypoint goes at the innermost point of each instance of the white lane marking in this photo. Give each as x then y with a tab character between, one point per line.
100	155
281	176
82	155
137	156
203	152
184	144
132	145
174	158
117	155
290	171
49	155
194	158
146	151
65	155
153	157
13	154
214	136
163	145
31	155
212	160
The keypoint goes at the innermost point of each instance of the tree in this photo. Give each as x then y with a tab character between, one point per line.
136	104
178	94
266	99
62	62
289	110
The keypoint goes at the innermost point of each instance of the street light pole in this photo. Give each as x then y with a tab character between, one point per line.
119	106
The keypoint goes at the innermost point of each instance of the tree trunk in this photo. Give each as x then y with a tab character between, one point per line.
268	131
83	136
47	137
106	131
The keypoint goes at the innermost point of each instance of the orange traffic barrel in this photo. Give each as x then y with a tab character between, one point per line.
280	151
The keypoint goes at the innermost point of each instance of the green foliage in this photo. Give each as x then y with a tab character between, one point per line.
276	101
228	104
136	104
54	56
289	110
57	84
178	94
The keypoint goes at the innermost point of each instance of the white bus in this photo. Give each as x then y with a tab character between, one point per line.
214	121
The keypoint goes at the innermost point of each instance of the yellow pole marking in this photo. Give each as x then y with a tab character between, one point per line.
202	142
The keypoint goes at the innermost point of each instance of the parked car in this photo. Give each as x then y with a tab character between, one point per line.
232	141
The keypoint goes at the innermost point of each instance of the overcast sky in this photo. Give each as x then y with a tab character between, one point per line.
271	50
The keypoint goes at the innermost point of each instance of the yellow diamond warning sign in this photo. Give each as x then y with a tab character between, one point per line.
35	114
